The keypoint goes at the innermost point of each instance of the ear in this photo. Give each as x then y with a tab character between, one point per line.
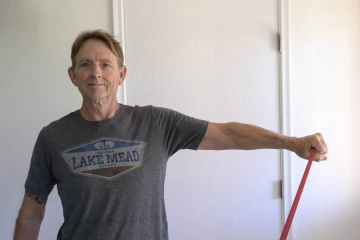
72	75
122	74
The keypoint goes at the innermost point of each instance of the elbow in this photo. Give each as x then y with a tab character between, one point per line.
34	219
27	227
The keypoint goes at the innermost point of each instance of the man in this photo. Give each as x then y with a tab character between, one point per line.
109	160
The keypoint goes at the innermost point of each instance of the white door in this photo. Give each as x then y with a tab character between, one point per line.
215	60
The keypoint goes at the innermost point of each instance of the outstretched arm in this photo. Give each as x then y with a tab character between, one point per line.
233	135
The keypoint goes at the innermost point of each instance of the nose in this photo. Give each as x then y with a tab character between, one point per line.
96	71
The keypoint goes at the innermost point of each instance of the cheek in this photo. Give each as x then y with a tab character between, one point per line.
113	81
81	78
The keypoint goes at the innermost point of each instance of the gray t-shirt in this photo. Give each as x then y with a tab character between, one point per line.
110	174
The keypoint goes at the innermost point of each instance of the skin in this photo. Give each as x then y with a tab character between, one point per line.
225	136
97	76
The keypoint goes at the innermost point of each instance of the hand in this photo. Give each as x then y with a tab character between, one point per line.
303	146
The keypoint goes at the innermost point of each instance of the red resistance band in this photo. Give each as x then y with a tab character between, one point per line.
297	197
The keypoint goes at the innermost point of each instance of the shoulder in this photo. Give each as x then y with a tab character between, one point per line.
67	122
149	110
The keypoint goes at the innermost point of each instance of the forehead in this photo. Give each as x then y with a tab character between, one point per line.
95	49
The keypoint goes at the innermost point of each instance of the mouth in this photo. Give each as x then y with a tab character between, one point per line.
96	84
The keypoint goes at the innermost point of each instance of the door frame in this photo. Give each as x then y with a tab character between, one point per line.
285	111
118	31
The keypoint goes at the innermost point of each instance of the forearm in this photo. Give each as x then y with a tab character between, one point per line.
27	228
250	137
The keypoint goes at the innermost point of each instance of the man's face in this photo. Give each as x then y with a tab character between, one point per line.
97	74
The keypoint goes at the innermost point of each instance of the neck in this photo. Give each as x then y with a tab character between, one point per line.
97	111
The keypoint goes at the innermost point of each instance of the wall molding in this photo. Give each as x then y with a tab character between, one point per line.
118	31
285	116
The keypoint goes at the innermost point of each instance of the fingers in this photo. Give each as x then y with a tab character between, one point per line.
323	142
319	144
319	158
304	145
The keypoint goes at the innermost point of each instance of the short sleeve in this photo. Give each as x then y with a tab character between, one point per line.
40	181
180	131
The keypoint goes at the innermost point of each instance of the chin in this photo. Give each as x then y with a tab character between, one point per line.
98	98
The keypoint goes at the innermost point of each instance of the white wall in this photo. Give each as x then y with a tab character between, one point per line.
35	42
325	93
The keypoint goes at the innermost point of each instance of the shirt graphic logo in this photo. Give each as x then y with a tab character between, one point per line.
105	157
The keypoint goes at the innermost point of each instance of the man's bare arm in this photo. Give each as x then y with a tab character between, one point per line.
223	136
31	214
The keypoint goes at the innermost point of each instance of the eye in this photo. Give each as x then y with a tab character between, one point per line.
106	65
85	64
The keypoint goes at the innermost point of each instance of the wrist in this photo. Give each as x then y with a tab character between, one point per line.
289	143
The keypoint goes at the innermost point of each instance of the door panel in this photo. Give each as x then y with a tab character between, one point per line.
215	60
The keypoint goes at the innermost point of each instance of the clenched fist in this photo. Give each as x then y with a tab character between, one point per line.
303	147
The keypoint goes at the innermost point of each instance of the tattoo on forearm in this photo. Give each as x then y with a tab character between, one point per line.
38	199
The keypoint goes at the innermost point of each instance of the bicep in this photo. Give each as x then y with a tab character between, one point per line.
33	206
217	137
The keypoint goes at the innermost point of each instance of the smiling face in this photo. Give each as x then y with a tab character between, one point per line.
96	73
